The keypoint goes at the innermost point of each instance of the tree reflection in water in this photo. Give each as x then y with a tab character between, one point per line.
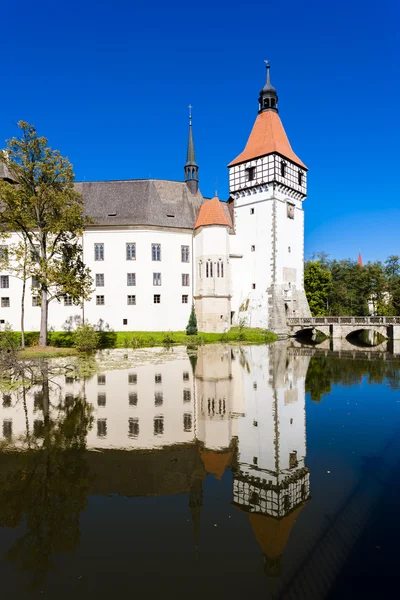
47	491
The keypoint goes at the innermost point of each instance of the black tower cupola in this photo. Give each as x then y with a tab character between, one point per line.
268	99
191	167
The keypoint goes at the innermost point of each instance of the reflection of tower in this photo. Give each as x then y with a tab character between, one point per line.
215	428
271	481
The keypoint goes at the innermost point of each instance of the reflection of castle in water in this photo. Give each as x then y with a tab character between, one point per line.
189	416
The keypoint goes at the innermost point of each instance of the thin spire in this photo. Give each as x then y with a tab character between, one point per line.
268	82
191	167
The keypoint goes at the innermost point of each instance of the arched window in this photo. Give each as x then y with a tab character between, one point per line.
222	268
207	268
218	268
211	269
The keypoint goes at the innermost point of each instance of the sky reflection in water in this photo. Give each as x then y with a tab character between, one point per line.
225	471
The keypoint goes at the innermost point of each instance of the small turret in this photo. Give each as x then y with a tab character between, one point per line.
268	99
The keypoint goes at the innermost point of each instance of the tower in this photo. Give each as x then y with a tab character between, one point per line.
268	184
213	285
191	167
271	481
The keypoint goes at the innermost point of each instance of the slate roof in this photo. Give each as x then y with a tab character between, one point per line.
146	202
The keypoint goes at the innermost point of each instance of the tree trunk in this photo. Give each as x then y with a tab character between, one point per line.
43	319
23	313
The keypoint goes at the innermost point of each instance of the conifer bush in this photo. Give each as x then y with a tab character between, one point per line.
191	328
87	339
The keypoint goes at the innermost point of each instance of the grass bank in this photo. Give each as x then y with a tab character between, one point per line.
62	343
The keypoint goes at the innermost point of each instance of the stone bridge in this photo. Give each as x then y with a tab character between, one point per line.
342	327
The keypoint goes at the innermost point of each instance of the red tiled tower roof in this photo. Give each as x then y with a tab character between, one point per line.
212	213
266	137
359	260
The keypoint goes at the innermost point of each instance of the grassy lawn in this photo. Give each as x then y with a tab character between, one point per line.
61	343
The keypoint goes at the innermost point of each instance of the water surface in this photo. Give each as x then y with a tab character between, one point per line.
223	472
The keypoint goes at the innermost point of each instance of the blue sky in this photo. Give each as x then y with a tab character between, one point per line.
109	84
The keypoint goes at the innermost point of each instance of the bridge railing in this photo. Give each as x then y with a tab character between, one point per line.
343	321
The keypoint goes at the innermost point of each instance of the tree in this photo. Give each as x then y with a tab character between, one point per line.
17	260
317	284
392	270
191	328
45	208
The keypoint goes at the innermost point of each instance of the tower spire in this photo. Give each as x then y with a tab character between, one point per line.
191	167
268	99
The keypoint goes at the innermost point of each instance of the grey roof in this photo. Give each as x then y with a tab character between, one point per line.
190	156
140	202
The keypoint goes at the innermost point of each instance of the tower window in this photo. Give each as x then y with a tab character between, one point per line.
209	268
300	177
131	301
266	102
185	279
252	211
290	211
250	173
253	248
156	278
157	299
283	169
253	285
131	279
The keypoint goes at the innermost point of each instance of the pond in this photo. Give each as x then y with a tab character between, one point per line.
222	471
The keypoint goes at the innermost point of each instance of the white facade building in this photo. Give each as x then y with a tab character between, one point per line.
156	247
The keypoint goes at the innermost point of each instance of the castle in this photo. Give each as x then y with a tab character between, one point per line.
156	247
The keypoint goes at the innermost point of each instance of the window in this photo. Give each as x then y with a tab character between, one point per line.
101	427
300	177
5	303
156	252
69	380
158	399
185	376
209	269
131	279
253	286
99	279
100	300
158	425
38	428
186	395
158	378
156	278
200	269
99	252
187	422
67	300
131	301
283	169
133	427
290	210
255	385
101	399
250	173
132	378
289	249
252	211
35	300
255	423
253	248
185	299
4	281
101	379
255	460
35	253
157	299
4	252
35	282
133	398
185	278
6	400
185	253
7	428
293	462
131	251
124	321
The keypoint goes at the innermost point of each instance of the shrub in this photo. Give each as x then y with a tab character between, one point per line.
136	342
168	339
241	335
8	339
191	328
87	339
224	337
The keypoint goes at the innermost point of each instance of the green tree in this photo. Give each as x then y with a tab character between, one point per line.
392	270
46	209
317	284
191	328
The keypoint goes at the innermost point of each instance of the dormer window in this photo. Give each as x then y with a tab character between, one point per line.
283	169
300	177
250	173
